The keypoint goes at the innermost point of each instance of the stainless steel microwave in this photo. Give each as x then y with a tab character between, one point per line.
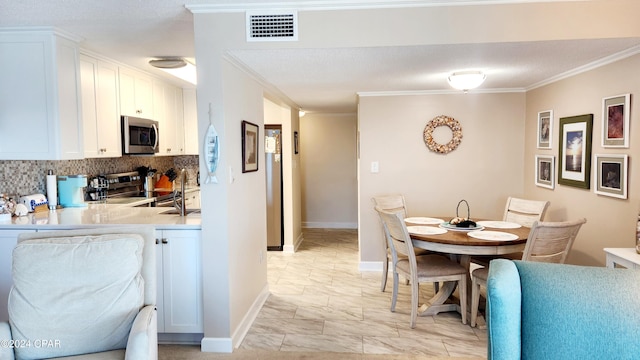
139	136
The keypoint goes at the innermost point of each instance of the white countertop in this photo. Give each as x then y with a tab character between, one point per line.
103	215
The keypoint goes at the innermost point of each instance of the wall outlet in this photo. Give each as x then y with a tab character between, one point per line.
375	167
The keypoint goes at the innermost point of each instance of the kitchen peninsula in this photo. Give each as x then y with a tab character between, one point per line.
178	258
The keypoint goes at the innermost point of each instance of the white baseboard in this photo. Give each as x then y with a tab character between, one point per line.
250	317
371	266
216	345
329	225
296	244
226	345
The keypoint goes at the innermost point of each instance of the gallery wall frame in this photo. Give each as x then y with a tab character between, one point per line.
615	121
545	171
545	129
250	155
611	175
574	151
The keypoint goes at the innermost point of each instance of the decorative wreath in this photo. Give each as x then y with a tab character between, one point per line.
451	123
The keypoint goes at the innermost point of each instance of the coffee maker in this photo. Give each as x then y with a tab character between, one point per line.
71	190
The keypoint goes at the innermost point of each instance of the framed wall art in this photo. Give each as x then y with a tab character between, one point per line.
615	121
545	171
574	155
545	129
611	175
249	147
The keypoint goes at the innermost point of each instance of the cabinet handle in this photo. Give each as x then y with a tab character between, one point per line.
157	241
165	241
168	149
138	111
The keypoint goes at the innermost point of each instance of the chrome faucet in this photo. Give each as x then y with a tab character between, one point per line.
179	203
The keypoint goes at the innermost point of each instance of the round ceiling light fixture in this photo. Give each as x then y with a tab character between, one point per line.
466	80
171	63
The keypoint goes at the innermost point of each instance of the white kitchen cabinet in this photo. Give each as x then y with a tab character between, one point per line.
179	298
191	146
168	111
136	94
40	96
8	240
100	114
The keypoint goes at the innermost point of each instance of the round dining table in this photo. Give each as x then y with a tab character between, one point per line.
459	246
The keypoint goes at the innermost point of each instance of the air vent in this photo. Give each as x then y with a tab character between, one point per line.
272	26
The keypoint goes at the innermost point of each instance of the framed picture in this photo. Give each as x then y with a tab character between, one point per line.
615	121
574	156
545	129
295	142
249	147
611	175
545	175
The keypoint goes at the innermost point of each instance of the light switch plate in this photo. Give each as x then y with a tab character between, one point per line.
375	167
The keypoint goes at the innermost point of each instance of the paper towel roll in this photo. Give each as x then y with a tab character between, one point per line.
52	190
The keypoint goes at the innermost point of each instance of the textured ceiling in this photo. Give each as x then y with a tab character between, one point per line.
132	31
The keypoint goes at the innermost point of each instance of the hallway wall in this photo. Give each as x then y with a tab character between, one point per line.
328	144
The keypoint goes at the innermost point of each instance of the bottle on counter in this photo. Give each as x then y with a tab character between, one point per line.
52	190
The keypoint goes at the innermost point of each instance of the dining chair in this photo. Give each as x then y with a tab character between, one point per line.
431	268
548	242
520	211
525	212
389	203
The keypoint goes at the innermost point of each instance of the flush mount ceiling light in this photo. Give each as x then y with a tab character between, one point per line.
466	80
301	113
177	67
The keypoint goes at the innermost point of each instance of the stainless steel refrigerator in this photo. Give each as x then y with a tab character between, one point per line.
273	166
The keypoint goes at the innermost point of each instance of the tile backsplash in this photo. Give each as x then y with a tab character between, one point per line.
25	177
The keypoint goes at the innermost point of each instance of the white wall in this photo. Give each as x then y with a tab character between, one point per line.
484	170
329	174
234	209
611	222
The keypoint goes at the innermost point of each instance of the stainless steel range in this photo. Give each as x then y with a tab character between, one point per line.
127	189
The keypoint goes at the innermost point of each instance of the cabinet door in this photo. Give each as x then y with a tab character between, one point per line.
100	115
136	97
159	281
88	81
8	240
190	118
167	106
108	115
182	282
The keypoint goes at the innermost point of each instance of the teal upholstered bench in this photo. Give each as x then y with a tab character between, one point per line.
556	311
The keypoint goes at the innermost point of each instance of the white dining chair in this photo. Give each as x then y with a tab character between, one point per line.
547	242
520	211
430	268
390	203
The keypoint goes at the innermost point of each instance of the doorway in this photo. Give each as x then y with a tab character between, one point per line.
273	173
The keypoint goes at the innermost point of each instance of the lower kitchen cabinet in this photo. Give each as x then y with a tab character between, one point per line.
8	240
179	295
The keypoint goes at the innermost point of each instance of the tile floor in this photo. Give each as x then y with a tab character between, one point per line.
320	302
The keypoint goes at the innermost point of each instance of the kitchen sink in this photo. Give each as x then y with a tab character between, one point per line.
177	212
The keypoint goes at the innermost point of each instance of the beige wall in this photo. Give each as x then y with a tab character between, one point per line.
611	222
484	170
329	174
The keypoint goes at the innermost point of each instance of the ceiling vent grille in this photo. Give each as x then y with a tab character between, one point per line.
272	26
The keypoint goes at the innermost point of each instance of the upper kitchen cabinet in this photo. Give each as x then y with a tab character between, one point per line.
39	95
190	122
136	94
168	111
100	114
